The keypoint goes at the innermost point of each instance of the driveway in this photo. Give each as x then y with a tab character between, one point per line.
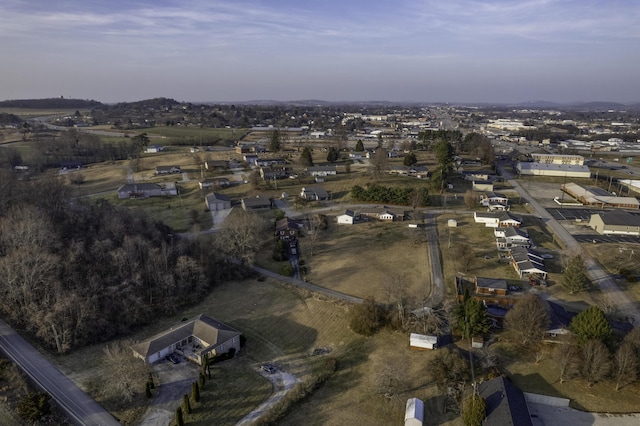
282	383
175	381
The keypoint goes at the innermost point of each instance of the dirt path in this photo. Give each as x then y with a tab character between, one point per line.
282	383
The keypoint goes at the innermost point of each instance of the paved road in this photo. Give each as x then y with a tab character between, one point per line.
595	272
75	403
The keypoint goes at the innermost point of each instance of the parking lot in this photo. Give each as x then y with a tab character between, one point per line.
581	232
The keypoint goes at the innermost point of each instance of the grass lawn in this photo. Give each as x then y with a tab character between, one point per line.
195	133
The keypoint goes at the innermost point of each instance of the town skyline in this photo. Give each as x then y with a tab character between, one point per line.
409	52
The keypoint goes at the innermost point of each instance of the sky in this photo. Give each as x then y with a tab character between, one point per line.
458	51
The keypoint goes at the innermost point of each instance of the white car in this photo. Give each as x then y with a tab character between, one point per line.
546	256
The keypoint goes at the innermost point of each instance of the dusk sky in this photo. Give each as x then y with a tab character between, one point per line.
348	50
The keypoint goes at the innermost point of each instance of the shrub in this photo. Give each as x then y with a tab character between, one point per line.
287	270
179	418
34	406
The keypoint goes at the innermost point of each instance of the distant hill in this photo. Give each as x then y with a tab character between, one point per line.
50	103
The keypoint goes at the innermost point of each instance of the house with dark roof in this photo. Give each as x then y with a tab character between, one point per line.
220	182
287	229
511	236
167	170
506	404
193	339
256	203
314	193
145	190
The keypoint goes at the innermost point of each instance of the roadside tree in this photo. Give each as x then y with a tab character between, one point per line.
124	373
575	278
275	144
378	163
470	199
366	318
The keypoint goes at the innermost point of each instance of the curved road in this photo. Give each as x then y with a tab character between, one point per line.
75	403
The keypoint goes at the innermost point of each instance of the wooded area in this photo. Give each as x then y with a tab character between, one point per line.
76	273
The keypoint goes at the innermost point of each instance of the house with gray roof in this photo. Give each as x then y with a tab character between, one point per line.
215	202
194	339
506	404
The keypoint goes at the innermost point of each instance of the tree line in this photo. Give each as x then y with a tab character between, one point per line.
398	195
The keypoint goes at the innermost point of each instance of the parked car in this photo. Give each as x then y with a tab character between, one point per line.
175	359
546	256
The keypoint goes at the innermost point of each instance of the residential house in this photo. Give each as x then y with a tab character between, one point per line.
217	202
511	237
257	203
493	198
139	190
615	222
269	173
272	162
314	193
194	339
214	183
559	322
243	149
479	176
250	159
491	286
216	165
506	404
166	170
384	213
329	170
497	219
287	229
482	185
419	172
527	264
349	217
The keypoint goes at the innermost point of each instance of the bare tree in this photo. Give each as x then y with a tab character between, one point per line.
527	320
565	356
595	362
124	373
465	256
626	365
378	163
470	199
388	380
241	236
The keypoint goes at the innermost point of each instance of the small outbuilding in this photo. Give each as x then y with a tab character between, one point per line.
423	341
414	413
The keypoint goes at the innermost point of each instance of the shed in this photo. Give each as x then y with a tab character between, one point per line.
477	342
423	341
452	223
414	413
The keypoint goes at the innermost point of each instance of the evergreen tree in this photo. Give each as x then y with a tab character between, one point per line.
147	390
359	146
305	158
276	141
179	418
444	153
474	410
590	324
186	405
471	318
202	380
333	155
195	392
575	278
410	159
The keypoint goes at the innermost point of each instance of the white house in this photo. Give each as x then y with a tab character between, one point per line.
348	218
496	220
